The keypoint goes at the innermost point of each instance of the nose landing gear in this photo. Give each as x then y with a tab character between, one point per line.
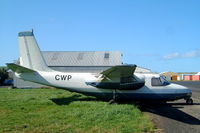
189	101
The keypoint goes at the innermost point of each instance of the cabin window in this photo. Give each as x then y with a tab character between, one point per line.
156	82
161	81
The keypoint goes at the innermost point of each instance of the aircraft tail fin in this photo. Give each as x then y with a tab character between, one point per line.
30	55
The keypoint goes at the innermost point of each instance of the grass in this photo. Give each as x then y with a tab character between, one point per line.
53	110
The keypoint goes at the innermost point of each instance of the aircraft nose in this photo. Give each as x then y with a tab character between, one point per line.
189	92
183	89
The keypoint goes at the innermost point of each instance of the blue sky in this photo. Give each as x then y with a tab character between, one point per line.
162	35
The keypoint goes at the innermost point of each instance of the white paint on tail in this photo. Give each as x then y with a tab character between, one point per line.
30	55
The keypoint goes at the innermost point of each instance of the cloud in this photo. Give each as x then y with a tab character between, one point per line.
172	56
177	55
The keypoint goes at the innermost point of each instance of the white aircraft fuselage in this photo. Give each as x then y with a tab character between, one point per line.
76	82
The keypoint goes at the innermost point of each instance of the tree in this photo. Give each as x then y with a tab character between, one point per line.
3	74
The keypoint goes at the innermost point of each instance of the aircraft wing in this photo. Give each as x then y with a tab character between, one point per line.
19	69
120	71
118	77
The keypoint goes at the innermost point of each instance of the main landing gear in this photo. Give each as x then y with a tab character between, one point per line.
113	101
189	101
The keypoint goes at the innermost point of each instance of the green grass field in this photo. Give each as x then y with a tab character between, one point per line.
54	110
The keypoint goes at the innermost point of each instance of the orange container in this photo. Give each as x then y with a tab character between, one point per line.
187	77
174	77
195	77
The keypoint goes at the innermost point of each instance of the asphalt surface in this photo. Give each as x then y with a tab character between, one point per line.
176	116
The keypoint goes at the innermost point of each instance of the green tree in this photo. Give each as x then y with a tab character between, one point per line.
3	74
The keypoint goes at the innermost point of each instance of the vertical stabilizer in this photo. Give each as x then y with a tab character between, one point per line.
30	55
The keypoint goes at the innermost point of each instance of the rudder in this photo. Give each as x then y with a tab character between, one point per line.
30	55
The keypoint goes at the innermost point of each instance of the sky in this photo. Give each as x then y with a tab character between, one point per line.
161	35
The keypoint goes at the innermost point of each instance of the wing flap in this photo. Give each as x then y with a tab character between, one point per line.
19	69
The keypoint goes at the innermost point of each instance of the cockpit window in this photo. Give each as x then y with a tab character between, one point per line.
161	81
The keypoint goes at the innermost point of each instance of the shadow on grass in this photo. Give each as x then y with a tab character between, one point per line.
170	110
68	100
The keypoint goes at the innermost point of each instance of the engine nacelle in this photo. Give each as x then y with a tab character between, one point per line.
125	83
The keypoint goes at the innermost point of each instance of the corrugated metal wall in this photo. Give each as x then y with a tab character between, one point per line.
90	58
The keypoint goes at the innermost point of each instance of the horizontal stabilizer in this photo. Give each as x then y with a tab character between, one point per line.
19	69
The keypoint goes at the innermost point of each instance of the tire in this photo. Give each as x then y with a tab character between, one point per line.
189	101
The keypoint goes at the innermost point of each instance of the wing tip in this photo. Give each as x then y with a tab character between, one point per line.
9	64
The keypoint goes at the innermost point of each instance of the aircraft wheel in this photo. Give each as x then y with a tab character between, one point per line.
189	101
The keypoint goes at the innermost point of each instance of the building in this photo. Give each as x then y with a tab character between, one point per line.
92	61
181	76
170	75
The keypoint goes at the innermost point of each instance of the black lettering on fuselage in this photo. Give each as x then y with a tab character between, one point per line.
57	77
69	77
63	77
